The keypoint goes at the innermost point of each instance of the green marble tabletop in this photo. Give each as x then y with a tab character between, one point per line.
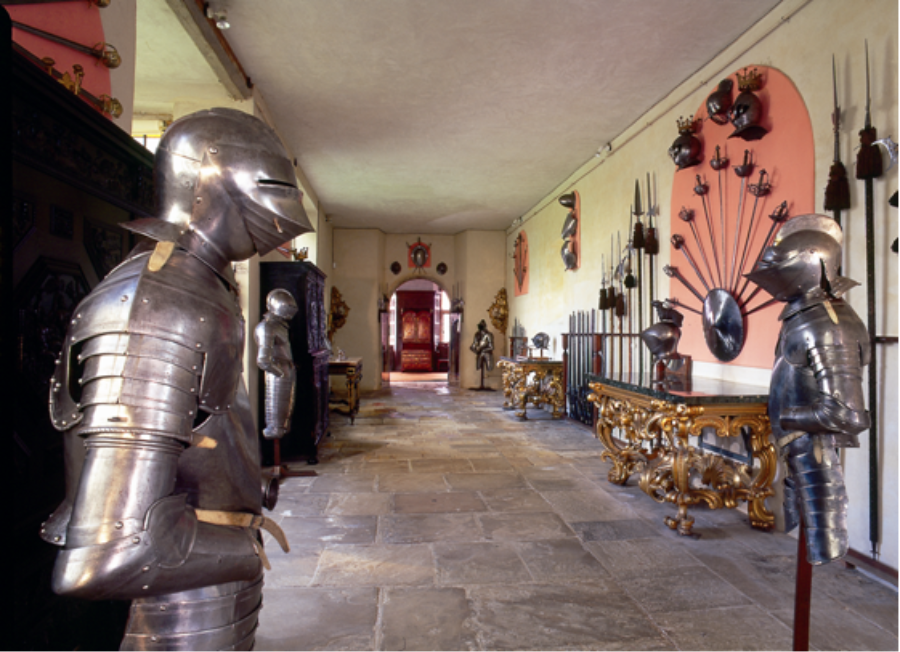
700	390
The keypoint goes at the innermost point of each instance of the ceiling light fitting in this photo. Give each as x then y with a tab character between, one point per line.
220	16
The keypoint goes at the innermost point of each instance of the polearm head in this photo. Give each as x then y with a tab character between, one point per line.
836	114
868	95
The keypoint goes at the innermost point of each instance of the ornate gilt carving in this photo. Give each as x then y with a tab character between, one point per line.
499	311
337	316
535	383
652	440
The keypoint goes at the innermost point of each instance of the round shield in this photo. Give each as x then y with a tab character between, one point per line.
723	325
419	256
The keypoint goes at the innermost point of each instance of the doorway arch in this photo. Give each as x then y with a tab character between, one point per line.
419	330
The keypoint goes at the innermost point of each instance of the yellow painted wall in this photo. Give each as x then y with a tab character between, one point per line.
798	38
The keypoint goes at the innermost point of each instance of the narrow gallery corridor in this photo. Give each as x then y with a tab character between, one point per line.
440	521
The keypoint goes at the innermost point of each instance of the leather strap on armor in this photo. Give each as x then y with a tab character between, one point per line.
255	522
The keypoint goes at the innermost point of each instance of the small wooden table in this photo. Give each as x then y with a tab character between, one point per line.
539	382
653	423
351	369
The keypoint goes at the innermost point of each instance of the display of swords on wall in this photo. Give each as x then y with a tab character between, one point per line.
719	258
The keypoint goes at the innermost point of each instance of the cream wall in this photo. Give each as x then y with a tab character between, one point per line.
798	38
480	259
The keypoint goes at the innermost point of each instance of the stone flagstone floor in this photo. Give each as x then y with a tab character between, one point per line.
439	521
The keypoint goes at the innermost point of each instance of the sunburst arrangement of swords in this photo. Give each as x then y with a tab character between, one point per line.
725	255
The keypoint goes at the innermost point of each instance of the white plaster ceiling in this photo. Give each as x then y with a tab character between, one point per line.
437	116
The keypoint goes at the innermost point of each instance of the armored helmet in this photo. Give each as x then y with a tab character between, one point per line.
686	149
745	115
224	176
719	102
805	256
282	303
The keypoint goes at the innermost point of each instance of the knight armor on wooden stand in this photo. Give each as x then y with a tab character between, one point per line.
816	402
164	495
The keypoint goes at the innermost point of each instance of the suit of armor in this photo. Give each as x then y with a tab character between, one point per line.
816	402
274	357
483	348
164	499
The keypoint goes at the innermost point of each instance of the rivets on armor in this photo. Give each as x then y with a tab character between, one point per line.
145	300
65	423
119	525
57	538
124	297
78	316
190	413
72	339
193	390
155	639
74	415
213	150
199	200
162	607
228	407
194	367
57	361
145	569
198	344
136	540
74	321
202	319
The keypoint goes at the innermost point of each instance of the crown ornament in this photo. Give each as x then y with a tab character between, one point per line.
749	80
686	125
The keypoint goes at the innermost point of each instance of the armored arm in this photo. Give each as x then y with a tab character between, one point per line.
128	536
840	405
265	339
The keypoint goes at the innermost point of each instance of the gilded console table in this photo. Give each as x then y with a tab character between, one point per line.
538	382
351	370
654	423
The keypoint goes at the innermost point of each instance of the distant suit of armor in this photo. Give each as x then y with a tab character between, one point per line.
274	357
816	402
483	348
164	498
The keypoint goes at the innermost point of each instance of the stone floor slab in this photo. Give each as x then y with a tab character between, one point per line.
427	619
615	530
423	528
485	481
686	588
515	500
554	617
627	558
330	529
344	483
524	526
731	628
451	465
368	504
478	563
318	619
412	482
560	560
832	627
592	505
294	568
424	503
376	565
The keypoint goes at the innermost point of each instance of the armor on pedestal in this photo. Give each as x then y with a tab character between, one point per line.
483	347
164	498
816	402
274	357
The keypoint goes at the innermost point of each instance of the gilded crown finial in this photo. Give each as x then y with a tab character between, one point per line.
686	125
749	81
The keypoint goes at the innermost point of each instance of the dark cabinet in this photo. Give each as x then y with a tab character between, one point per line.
309	422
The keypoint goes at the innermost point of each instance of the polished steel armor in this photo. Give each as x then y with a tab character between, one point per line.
274	357
163	502
483	347
816	401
